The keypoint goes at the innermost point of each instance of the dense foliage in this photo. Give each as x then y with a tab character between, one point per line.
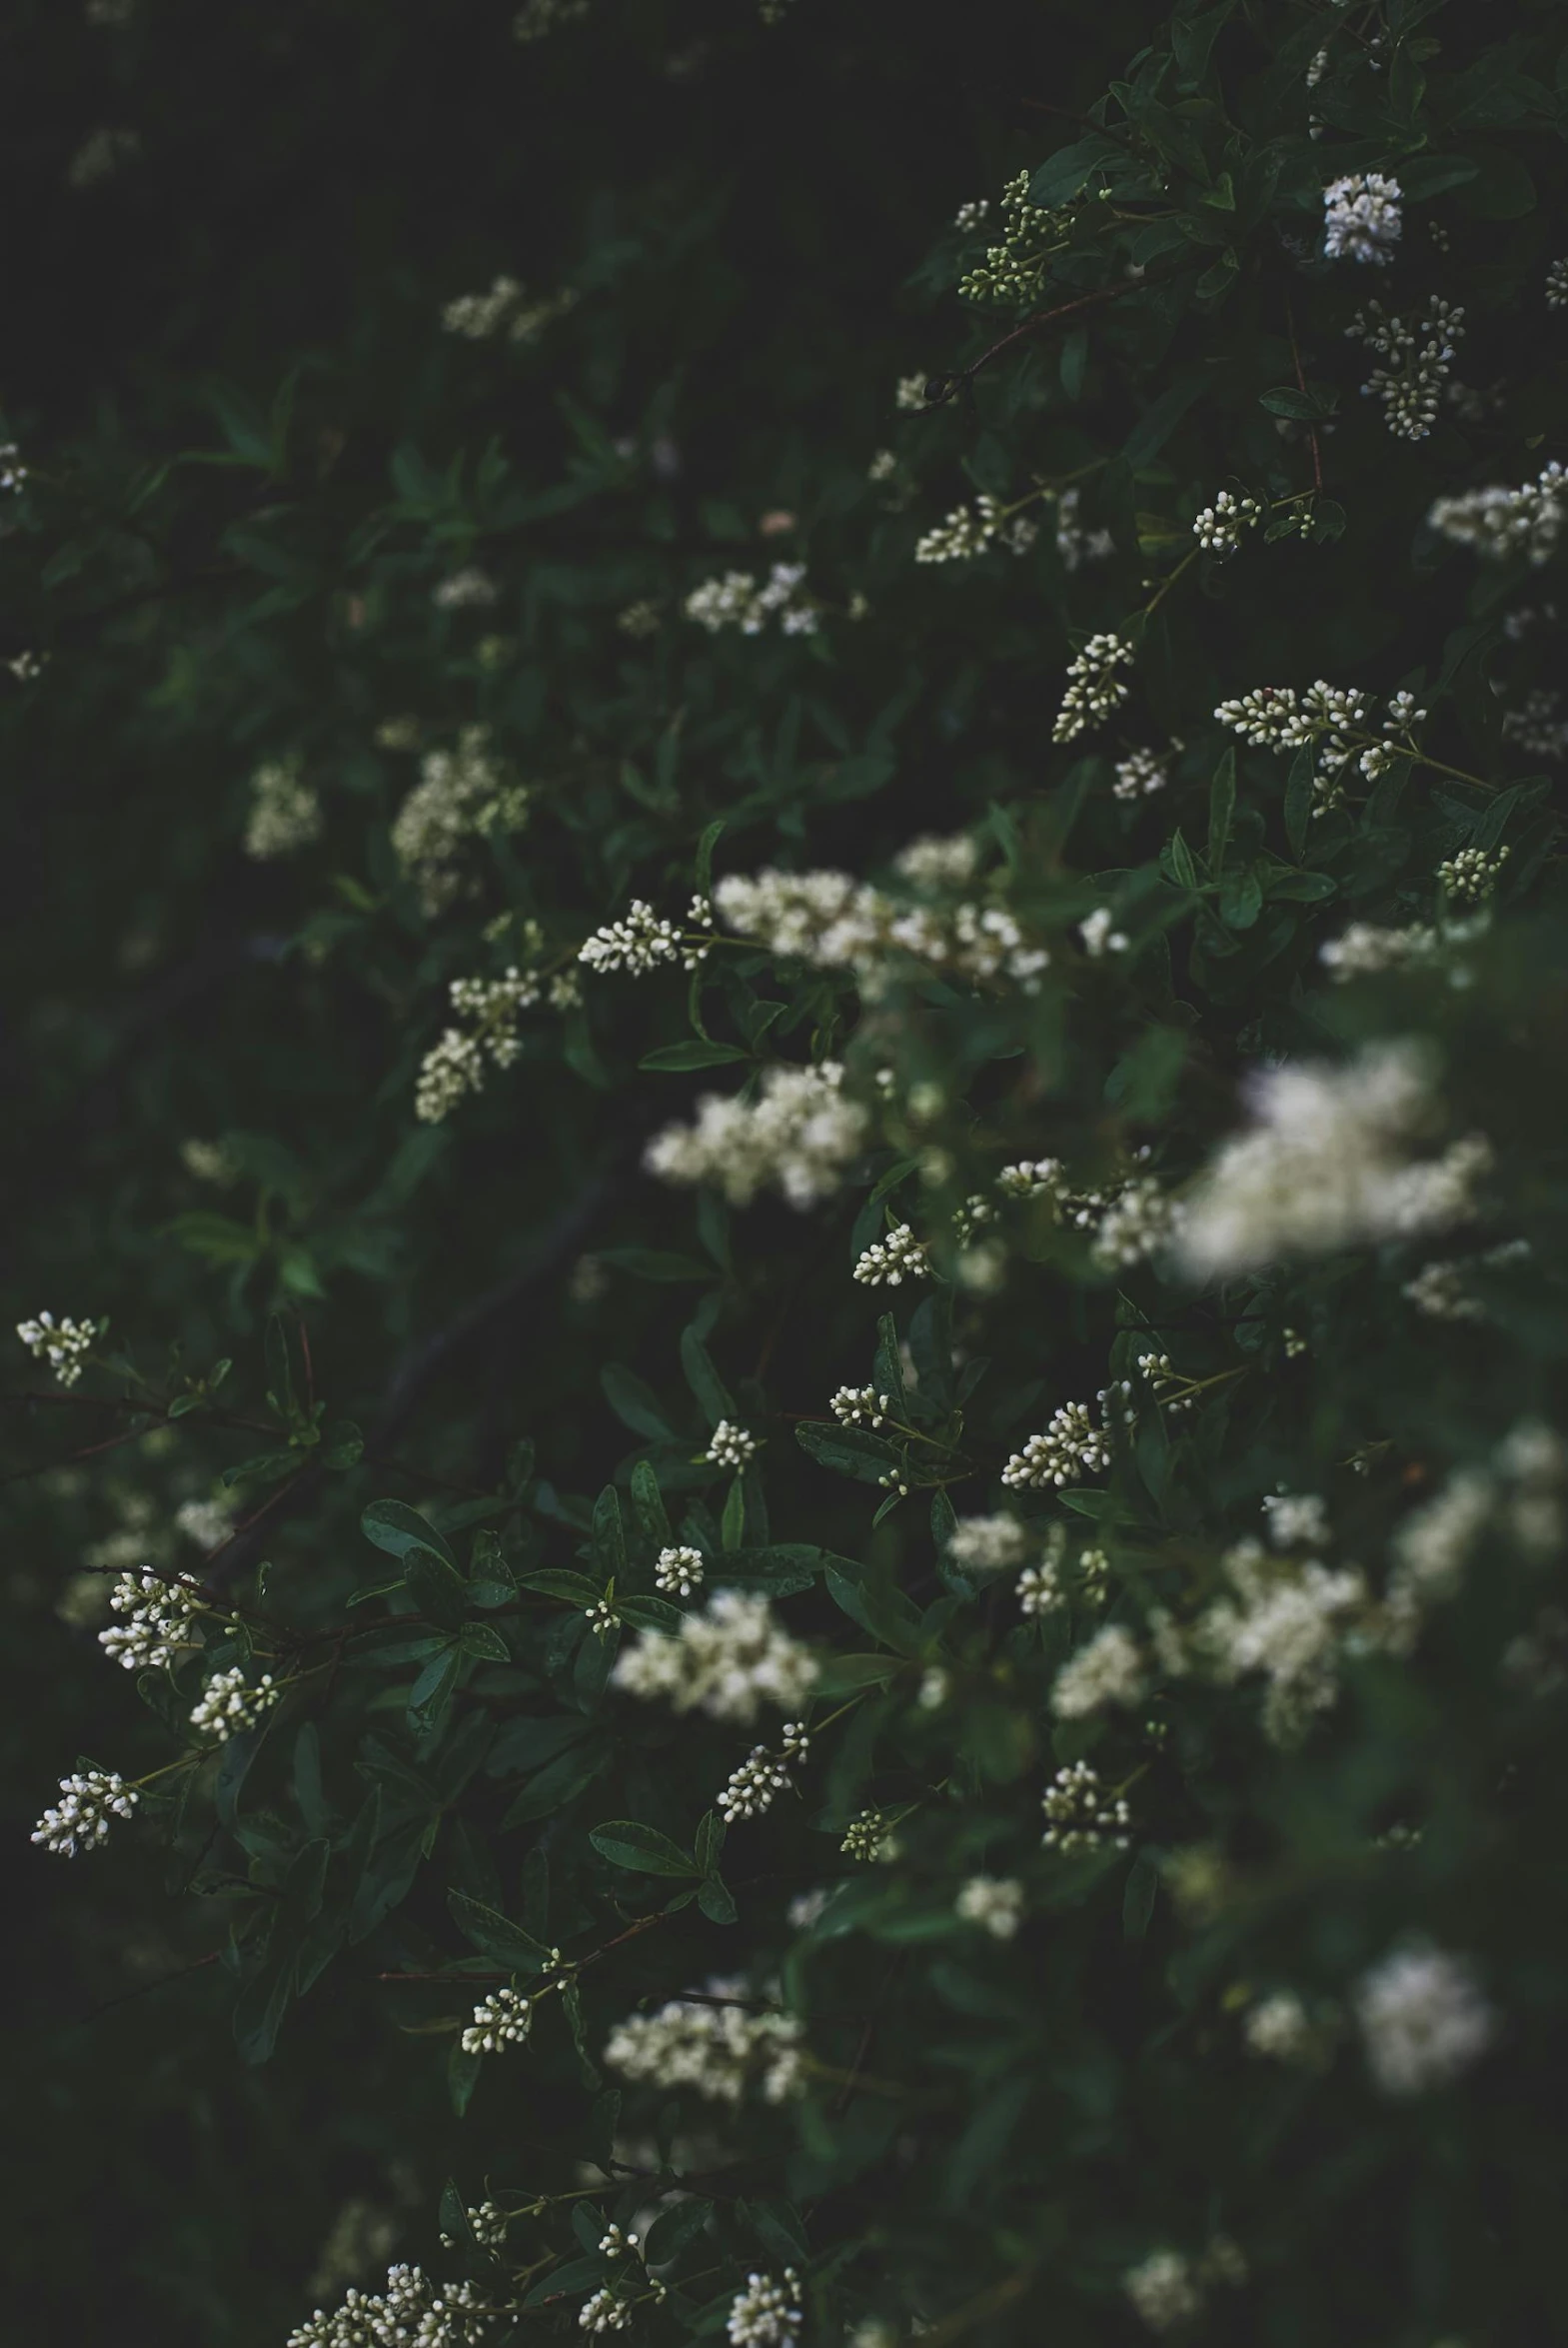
788	1196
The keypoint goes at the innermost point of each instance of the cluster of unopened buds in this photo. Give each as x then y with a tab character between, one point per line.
1080	1815
643	939
64	1343
1070	1447
1095	684
859	1406
1363	218
81	1818
229	1703
1417	359
737	601
157	1627
731	1447
1217	527
969	530
1470	877
870	1835
762	1775
1142	772
678	1572
887	1264
767	2314
501	2019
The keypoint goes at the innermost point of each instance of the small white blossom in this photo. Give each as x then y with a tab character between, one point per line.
988	1544
1364	952
910	393
1418	356
1296	1520
859	1406
501	2019
411	2309
1363	218
1075	544
64	1344
1279	2028
887	1264
1142	772
731	1447
969	530
728	1661
767	2314
935	861
1100	935
1040	1588
717	2051
286	812
1501	522
678	1572
994	1902
604	2312
228	1706
81	1818
462	794
800	1134
752	1788
1164	2290
1109	1671
1330	1163
1080	1815
869	1836
1423	2019
737	601
506	309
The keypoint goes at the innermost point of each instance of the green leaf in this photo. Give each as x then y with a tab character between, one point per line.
697	1051
731	1525
462	2072
712	1396
625	1844
1183	871
675	2228
495	1935
485	1644
1137	1899
607	1538
648	1505
1221	807
651	1614
397	1528
634	1403
560	1782
560	1582
436	1587
716	1902
848	1450
1299	801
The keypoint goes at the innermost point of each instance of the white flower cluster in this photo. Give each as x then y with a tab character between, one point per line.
456	1065
799	1135
1430	1552
468	590
1538	724
994	1902
1331	718
1279	2028
767	2314
1039	1586
1418	356
1095	684
1557	285
1330	1163
1076	543
1136	1223
506	309
678	1572
1284	1622
80	1819
1470	877
1167	2288
228	1706
1364	950
859	1406
1363	218
969	530
536	18
869	1836
835	923
644	940
206	1523
1014	270
938	861
1296	1520
411	2312
728	1661
13	472
988	1544
462	793
501	2019
752	1788
1218	527
1502	522
717	2051
1423	2018
605	2311
1070	1447
1445	1290
887	1264
1100	935
64	1344
730	1445
1109	1671
101	154
1143	772
737	601
159	1617
1081	1816
285	813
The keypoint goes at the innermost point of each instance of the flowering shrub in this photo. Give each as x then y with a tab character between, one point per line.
846	1264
